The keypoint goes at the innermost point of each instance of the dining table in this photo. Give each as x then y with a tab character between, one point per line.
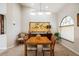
43	40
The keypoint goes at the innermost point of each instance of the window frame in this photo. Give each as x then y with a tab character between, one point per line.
66	25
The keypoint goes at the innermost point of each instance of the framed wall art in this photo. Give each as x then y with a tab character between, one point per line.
39	26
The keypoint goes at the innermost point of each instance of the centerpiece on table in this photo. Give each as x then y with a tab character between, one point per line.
38	36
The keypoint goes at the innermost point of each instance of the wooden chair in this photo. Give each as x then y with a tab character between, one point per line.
47	47
20	38
29	47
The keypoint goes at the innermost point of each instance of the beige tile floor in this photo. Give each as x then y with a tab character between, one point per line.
19	51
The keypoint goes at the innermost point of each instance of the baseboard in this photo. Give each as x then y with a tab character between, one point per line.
2	51
11	46
70	49
7	49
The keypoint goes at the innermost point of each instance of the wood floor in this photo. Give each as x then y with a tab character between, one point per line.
19	51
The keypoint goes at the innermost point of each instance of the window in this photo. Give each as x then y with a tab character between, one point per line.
67	21
67	28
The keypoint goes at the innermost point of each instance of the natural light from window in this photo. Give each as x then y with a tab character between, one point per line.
67	21
67	28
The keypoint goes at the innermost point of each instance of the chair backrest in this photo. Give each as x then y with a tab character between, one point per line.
25	38
53	39
21	35
42	34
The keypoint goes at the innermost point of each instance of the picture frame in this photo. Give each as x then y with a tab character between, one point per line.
39	26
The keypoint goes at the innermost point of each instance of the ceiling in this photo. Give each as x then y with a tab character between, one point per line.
51	7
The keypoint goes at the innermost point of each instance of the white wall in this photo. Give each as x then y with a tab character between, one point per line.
13	16
3	42
67	32
3	39
71	10
3	8
37	18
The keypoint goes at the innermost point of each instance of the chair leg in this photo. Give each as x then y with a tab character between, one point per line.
50	49
36	50
43	52
26	53
53	52
25	50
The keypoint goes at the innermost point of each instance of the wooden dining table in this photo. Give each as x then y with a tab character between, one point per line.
38	41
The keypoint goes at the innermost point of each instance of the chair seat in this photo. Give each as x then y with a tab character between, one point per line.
31	47
20	39
46	47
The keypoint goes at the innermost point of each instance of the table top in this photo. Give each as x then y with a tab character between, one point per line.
35	40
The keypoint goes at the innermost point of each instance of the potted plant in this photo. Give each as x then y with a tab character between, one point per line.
58	37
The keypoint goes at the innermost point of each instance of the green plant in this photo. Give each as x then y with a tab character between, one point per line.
57	34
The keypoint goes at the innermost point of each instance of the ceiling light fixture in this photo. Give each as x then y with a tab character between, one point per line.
40	12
